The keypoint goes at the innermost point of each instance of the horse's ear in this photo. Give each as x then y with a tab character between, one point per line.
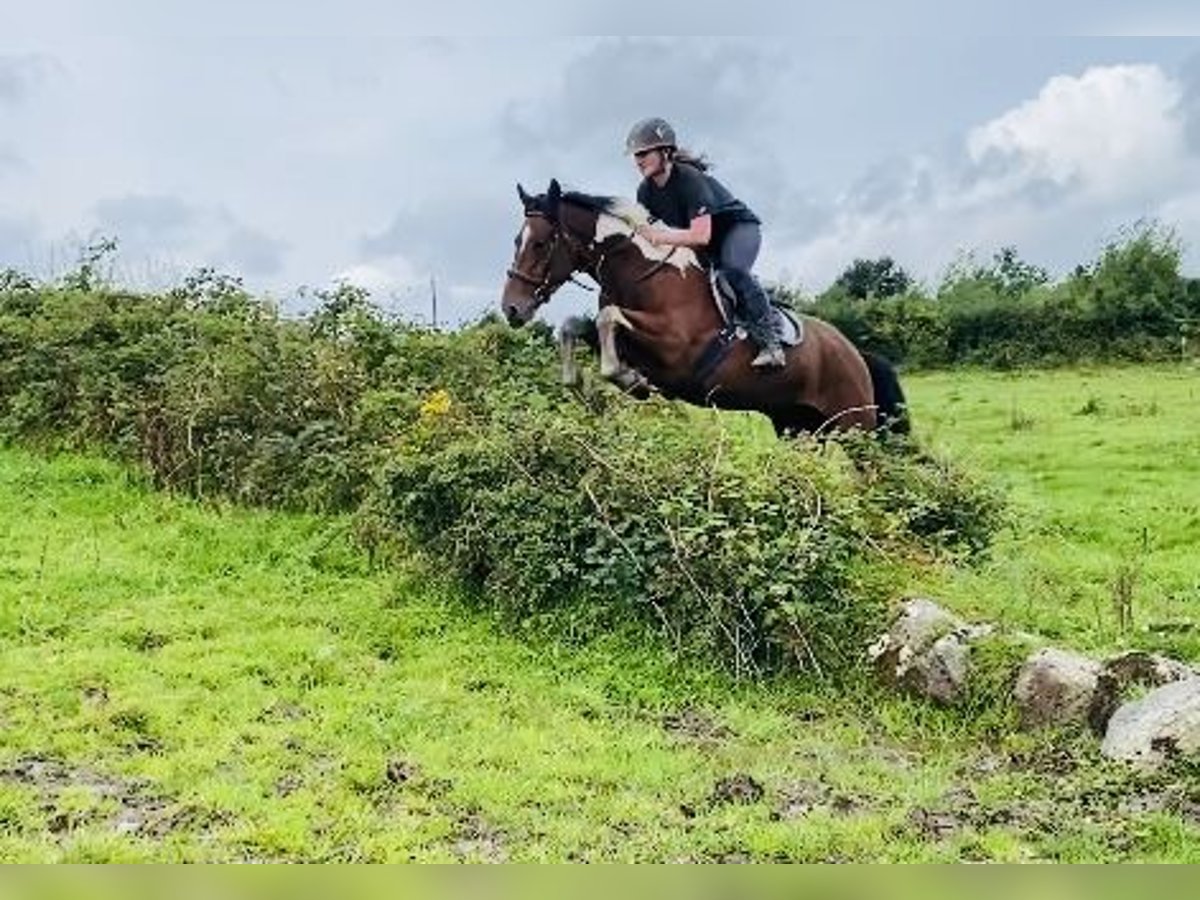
553	195
526	200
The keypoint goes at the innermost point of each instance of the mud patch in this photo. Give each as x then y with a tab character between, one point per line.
691	724
936	824
801	798
477	841
138	811
741	789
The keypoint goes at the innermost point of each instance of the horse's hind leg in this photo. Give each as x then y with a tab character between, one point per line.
573	329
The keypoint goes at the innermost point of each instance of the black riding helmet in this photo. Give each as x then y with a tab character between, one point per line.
650	134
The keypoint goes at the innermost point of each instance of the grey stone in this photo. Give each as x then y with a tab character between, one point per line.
1161	725
919	625
1056	687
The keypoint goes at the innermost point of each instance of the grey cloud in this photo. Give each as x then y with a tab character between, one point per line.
466	244
1047	193
1189	104
1038	191
10	160
21	76
602	92
467	238
891	187
252	252
141	221
789	214
19	239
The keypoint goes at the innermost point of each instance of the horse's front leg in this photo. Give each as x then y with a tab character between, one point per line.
612	367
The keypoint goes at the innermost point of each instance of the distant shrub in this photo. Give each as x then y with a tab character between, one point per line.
1132	303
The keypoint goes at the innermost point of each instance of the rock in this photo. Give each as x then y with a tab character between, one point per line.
920	624
1160	726
1139	667
1056	687
941	672
1121	673
927	651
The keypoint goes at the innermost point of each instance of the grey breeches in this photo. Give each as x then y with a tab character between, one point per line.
736	258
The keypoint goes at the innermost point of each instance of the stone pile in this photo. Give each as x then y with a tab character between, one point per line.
1145	707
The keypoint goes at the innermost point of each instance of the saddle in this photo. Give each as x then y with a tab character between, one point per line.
788	325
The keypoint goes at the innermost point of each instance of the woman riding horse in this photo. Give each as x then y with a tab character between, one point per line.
701	213
660	316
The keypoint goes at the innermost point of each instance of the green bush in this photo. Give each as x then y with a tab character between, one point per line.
1132	303
582	516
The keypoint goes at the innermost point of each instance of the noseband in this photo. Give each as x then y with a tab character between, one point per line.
542	288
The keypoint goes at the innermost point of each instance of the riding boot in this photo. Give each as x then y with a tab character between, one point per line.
760	320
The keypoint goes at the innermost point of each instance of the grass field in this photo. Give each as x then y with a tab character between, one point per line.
1103	469
188	682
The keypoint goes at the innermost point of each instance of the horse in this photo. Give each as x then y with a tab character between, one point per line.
660	322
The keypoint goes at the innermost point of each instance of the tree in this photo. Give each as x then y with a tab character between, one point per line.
874	278
1013	276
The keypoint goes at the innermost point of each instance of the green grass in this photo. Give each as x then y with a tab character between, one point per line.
1103	468
188	682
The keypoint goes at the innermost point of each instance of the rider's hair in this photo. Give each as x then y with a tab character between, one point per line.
695	160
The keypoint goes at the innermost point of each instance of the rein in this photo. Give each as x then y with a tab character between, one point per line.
543	288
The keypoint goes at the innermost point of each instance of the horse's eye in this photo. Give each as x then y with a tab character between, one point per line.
539	245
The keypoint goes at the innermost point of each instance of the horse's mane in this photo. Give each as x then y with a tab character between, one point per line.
624	216
628	211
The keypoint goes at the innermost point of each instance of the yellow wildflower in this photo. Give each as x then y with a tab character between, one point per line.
436	404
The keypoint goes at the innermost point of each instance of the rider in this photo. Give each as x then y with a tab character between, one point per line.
701	212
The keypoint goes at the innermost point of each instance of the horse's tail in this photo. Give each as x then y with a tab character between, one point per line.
891	406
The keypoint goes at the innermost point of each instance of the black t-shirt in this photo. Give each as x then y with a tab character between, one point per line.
689	193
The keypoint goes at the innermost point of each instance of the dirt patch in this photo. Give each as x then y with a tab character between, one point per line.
692	724
801	798
935	824
740	788
137	811
476	840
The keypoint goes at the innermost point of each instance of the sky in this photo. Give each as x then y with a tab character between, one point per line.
297	149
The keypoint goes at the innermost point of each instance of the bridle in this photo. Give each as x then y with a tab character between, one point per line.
542	287
591	251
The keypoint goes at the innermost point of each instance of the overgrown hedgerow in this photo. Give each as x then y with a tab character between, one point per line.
766	556
580	511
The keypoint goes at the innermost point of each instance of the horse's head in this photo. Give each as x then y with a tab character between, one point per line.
546	255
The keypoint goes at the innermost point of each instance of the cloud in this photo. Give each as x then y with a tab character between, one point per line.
1107	132
250	251
145	221
463	242
10	160
21	76
167	234
1059	172
465	234
709	90
1189	103
19	239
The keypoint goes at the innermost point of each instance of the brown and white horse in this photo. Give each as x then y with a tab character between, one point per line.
658	317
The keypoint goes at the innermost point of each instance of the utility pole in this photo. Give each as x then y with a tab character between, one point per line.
433	298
